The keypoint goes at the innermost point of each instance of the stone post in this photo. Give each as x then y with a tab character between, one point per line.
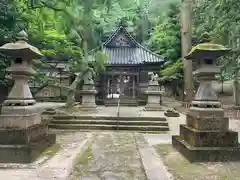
20	120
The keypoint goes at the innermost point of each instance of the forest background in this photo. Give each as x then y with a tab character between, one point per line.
72	29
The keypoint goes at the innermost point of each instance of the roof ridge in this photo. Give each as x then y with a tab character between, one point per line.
116	32
133	39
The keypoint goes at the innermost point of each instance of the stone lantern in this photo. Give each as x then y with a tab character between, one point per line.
20	120
88	93
206	136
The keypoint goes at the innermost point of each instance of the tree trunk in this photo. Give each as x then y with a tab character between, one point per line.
186	34
234	45
71	93
236	92
222	86
85	50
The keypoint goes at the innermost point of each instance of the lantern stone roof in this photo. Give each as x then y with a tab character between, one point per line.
122	49
20	48
207	50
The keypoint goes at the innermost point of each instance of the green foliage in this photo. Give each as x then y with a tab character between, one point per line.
100	62
173	72
8	26
221	20
166	40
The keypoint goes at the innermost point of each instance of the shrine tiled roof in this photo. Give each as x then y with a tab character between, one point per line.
128	55
122	48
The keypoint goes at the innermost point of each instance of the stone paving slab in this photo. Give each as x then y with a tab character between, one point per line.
152	162
59	166
113	156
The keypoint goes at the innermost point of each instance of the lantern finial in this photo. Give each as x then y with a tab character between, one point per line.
22	35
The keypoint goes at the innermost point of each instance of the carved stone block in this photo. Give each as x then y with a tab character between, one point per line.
208	123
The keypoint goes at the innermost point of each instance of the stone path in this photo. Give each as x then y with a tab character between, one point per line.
98	156
58	167
153	165
112	156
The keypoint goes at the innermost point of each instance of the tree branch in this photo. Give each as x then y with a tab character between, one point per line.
46	5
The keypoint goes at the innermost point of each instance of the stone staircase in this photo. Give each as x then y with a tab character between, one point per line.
125	101
139	124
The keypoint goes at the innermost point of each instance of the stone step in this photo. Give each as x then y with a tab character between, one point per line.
109	127
115	104
111	122
124	101
140	118
121	104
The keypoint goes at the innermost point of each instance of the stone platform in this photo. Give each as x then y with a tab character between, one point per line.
24	145
199	154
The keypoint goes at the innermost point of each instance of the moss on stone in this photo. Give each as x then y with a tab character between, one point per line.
209	47
80	162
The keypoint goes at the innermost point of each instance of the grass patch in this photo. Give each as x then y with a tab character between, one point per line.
52	150
85	158
182	169
80	162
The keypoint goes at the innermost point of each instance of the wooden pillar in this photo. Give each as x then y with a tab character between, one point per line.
121	85
134	79
138	82
111	87
186	34
104	86
108	85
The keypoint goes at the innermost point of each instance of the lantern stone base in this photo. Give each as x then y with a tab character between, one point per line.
208	123
88	107
19	116
206	137
24	145
201	154
88	98
153	103
206	112
153	107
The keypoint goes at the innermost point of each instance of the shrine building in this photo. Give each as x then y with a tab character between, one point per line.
127	69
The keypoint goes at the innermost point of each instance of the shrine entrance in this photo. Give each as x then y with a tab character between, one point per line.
122	85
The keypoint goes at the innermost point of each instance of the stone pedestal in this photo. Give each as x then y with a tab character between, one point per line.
153	102
206	136
88	98
23	136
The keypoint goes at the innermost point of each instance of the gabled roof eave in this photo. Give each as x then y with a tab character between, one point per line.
116	32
